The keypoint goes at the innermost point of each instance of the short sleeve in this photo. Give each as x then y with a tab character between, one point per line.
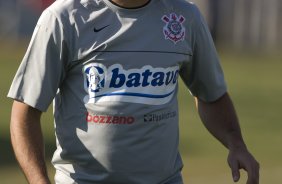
203	74
42	68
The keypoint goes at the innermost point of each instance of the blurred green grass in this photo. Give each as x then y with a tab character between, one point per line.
254	82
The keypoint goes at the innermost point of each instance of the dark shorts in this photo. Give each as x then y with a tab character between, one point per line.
175	179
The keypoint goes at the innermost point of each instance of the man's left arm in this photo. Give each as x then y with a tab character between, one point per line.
220	119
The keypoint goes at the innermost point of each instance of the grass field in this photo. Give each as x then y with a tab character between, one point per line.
254	82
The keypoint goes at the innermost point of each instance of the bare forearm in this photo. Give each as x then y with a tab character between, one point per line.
27	141
221	120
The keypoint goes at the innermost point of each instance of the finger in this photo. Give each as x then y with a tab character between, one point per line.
235	170
252	179
253	174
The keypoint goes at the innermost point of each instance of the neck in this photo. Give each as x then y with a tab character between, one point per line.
130	3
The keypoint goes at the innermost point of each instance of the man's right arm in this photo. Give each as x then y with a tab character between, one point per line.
27	141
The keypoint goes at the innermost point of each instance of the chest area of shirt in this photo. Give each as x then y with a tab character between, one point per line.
156	33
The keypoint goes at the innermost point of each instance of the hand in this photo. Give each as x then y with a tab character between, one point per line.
243	159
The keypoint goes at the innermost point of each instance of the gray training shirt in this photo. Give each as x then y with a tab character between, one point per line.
113	73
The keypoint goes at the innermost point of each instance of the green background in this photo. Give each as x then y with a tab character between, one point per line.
254	83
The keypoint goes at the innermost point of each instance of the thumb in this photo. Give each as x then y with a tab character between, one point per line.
235	170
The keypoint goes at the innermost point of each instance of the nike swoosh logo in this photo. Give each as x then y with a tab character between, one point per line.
99	29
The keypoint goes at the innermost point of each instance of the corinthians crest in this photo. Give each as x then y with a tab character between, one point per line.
174	30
